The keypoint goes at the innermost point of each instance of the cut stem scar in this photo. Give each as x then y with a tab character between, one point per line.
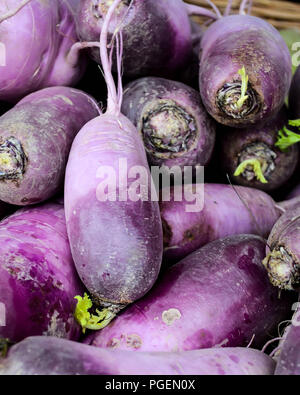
286	137
256	165
244	87
90	321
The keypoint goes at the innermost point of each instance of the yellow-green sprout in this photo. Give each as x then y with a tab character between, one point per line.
88	320
256	165
245	80
286	137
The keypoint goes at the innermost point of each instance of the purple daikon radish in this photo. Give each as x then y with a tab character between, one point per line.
38	280
52	356
114	227
245	70
35	140
157	34
252	158
219	295
226	211
175	126
37	47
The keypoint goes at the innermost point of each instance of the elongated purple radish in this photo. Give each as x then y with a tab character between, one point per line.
245	70
35	140
218	296
288	352
38	280
114	227
283	252
226	212
252	158
157	34
52	356
175	126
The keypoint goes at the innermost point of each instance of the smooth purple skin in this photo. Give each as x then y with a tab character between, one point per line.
142	94
36	49
242	40
233	141
218	296
294	97
223	214
116	245
38	281
46	123
52	356
288	360
156	36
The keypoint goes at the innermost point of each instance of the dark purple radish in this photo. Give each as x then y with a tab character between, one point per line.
35	140
52	356
294	97
288	352
295	192
172	120
38	280
218	296
226	211
245	70
114	227
156	34
251	158
283	252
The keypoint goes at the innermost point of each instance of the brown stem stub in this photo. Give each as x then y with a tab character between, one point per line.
283	270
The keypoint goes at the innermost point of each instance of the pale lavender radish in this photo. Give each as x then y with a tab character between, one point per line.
38	280
175	126
226	211
283	252
52	356
157	34
219	295
245	70
36	50
116	242
288	352
35	140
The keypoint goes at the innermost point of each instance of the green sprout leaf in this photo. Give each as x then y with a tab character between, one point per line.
286	138
295	122
245	80
255	164
88	320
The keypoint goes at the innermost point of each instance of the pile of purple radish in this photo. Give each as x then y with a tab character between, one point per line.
104	271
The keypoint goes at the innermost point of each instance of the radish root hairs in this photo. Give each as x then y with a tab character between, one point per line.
13	12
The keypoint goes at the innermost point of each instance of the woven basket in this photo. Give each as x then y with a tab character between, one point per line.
281	14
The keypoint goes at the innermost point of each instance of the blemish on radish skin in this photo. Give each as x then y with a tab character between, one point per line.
234	358
170	316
